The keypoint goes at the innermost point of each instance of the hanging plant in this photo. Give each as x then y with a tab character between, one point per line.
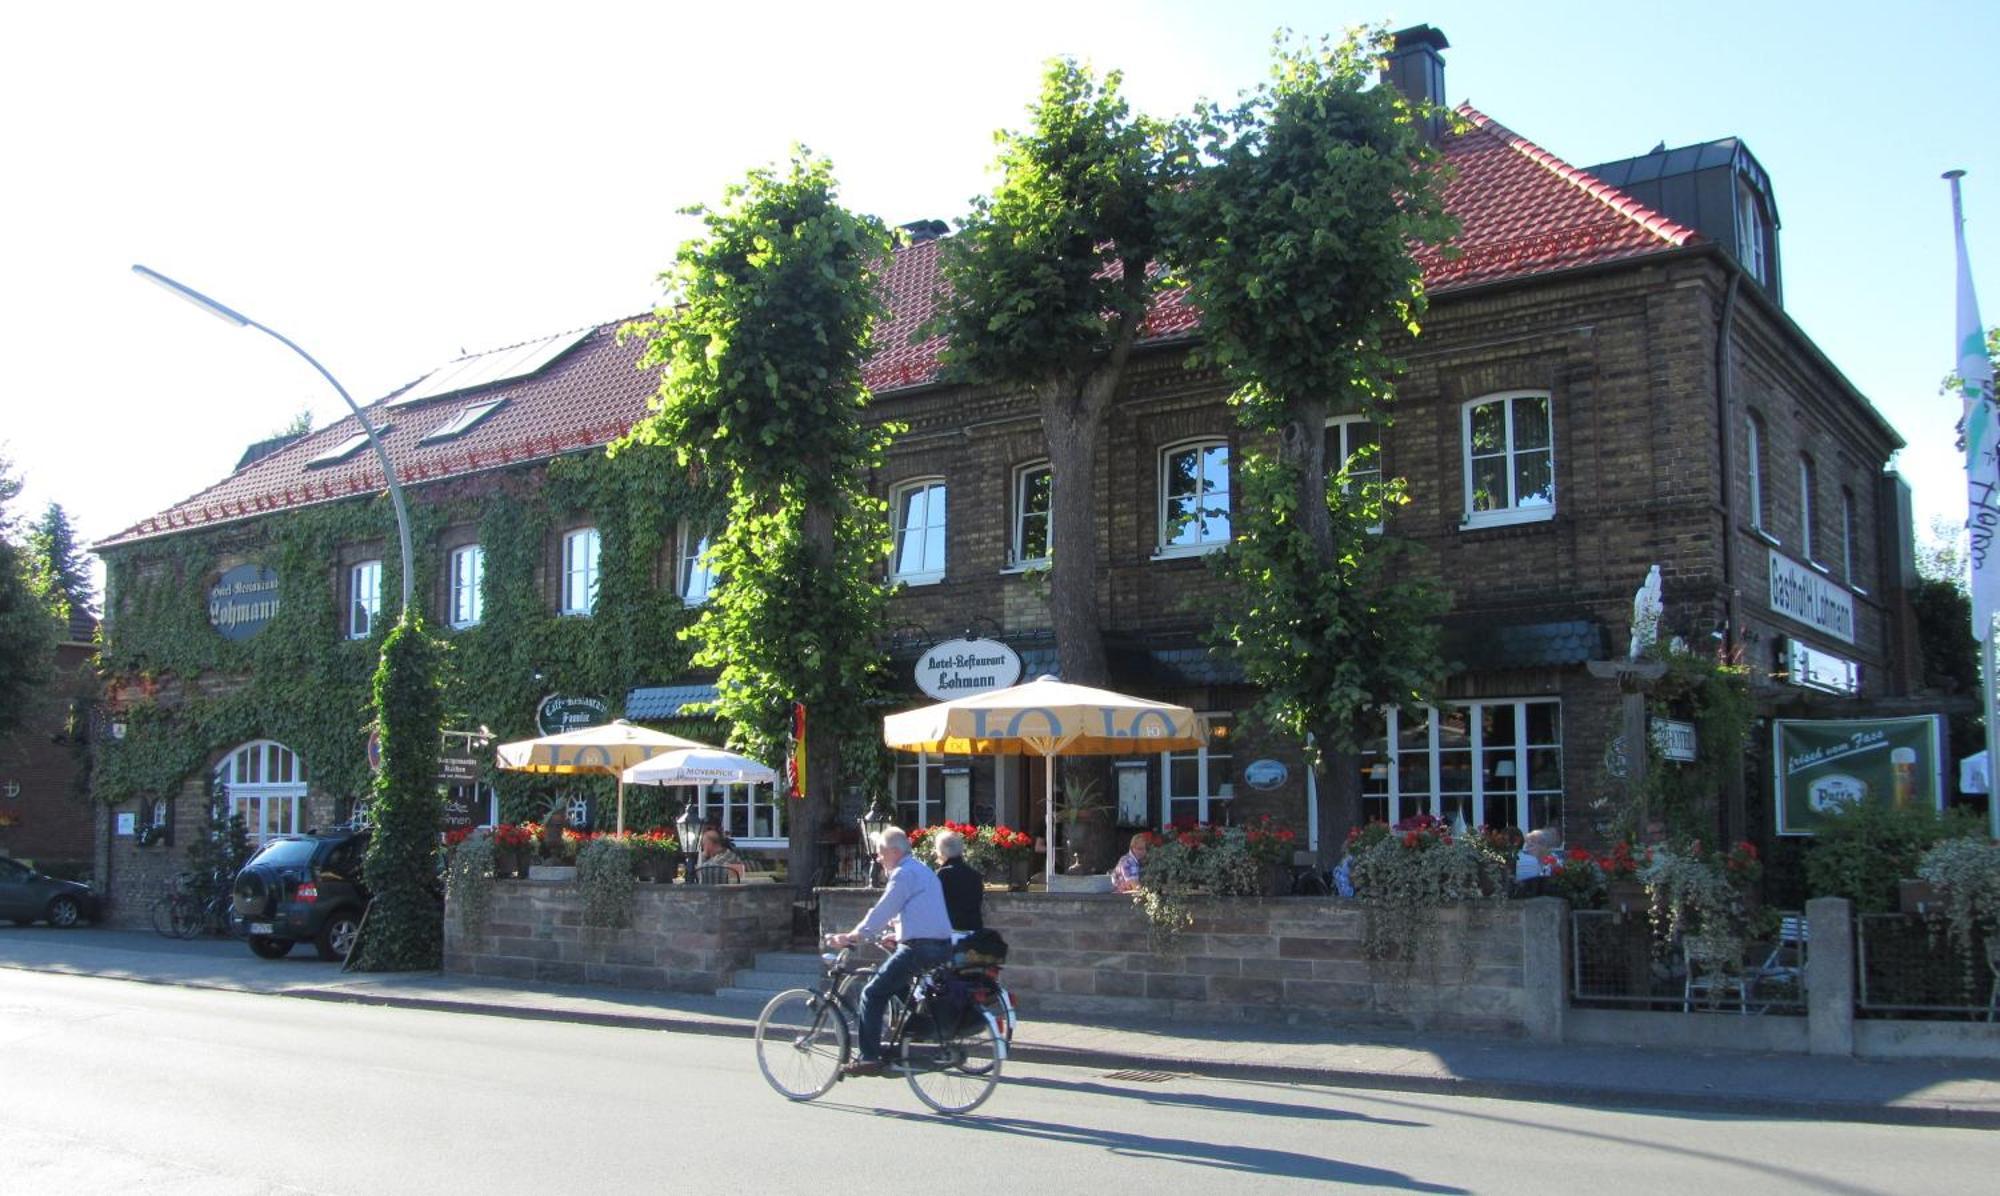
604	874
1404	876
468	879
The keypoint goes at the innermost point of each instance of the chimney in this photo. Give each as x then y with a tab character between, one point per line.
1417	70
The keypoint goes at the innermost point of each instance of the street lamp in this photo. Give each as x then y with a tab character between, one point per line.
232	316
873	823
688	827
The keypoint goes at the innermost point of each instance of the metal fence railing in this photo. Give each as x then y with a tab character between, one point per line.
1906	964
1619	961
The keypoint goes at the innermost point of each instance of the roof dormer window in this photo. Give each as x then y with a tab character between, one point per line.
466	419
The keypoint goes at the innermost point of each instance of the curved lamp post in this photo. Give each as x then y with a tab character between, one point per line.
237	318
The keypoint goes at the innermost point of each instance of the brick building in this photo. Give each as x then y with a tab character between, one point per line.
45	810
1604	384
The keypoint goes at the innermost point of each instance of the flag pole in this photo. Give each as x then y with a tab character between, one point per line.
1981	424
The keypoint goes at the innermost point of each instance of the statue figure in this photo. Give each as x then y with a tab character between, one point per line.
1646	607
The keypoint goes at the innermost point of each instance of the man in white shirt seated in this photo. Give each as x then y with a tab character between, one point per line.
913	900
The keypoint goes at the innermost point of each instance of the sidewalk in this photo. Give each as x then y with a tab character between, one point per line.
1932	1092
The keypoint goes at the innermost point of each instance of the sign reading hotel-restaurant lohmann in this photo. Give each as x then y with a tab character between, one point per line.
960	668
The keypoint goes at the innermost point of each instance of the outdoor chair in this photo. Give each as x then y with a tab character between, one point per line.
1784	964
716	874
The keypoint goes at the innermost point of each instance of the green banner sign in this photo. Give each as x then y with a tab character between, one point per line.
1824	764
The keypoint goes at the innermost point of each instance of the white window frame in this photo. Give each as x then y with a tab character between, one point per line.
1211	794
1511	511
719	802
466	595
269	807
694	577
1522	792
936	513
1017	556
1808	482
1206	540
1753	443
582	550
1752	248
364	598
1342	426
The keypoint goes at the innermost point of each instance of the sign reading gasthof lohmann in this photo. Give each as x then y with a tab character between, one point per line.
1803	593
960	668
242	600
1825	764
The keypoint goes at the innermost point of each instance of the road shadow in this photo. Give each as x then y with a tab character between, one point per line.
1230	1157
1199	1100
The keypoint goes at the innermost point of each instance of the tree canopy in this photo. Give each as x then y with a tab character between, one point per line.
27	634
57	569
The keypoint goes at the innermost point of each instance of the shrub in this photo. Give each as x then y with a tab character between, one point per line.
604	874
1864	849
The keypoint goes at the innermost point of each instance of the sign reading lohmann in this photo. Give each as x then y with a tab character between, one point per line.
959	668
1825	764
242	600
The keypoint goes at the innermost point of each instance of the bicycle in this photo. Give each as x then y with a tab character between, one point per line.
179	915
950	1056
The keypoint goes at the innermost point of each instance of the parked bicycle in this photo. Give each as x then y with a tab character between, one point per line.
182	914
945	1036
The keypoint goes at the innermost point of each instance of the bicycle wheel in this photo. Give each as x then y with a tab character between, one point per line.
955	1075
1005	1021
163	917
801	1043
226	925
189	918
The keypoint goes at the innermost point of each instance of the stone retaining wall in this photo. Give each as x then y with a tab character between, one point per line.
1268	959
682	937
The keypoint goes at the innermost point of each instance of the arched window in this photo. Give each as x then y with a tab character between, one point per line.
1510	467
1194	497
264	781
918	556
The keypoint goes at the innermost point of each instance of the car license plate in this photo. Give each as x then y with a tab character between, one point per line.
260	928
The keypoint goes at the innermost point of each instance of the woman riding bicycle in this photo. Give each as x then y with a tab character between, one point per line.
913	900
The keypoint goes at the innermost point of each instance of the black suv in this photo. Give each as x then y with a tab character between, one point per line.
303	888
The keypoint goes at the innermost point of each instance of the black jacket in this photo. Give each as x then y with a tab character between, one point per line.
964	889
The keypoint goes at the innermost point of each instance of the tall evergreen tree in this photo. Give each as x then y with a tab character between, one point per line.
27	636
760	345
57	569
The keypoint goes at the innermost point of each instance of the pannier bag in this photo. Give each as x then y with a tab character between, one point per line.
981	948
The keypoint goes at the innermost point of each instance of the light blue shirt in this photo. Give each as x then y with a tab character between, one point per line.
914	900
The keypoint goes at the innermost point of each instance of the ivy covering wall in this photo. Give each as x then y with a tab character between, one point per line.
187	693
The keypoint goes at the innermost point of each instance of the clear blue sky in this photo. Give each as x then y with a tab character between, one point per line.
392	183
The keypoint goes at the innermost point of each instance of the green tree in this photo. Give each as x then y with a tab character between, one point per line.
1049	282
27	635
57	569
404	930
760	345
1297	242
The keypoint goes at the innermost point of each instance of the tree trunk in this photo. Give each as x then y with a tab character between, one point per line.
806	817
1302	445
1073	422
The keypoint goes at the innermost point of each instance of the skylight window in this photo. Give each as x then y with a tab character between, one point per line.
485	369
345	449
458	425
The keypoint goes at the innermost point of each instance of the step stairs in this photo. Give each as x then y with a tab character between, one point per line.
774	972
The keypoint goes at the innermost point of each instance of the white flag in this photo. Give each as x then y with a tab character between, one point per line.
1982	438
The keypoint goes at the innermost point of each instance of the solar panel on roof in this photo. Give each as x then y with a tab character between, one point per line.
485	369
345	449
461	423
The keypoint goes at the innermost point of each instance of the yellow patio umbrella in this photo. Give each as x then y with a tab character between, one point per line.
1046	718
606	750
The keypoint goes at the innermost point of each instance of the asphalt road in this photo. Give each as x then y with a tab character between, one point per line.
109	1086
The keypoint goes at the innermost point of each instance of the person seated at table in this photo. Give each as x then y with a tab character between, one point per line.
717	851
1531	867
964	888
1125	873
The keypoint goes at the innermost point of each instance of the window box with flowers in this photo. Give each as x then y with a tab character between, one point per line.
1405	875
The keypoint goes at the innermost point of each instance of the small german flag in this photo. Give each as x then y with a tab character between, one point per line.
795	763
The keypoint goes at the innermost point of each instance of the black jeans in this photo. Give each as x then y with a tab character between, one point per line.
893	979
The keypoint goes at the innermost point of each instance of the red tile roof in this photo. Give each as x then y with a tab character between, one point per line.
1522	212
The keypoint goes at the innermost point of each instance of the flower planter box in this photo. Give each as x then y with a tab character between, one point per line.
552	872
1096	883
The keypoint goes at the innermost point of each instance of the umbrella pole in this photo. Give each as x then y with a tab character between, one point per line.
1049	820
621	805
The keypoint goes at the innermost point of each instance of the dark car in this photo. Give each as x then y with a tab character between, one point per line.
28	896
302	888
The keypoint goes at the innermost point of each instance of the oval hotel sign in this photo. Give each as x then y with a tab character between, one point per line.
558	714
242	600
960	668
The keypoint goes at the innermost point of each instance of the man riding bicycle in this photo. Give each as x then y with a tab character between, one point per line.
913	900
